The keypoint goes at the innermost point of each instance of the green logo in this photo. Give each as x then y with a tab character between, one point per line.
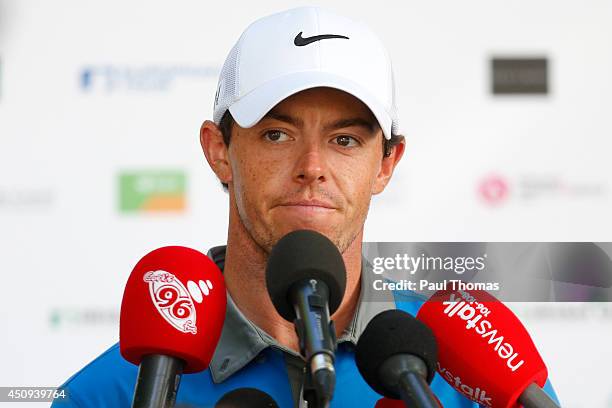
152	191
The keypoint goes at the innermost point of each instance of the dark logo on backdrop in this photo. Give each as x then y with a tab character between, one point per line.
300	41
519	76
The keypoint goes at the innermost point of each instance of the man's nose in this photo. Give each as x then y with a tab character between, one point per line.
311	165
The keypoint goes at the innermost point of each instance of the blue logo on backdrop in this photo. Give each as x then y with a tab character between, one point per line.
150	78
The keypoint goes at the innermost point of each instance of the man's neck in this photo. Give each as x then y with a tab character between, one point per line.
244	272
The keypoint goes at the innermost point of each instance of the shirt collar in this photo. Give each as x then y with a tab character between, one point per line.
241	340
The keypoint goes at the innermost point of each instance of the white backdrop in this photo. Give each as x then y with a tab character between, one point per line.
92	90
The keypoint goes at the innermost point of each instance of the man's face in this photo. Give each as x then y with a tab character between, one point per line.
313	162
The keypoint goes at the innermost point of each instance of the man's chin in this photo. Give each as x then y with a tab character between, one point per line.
324	224
331	231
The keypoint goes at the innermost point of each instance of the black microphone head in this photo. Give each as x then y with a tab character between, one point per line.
246	398
390	333
300	255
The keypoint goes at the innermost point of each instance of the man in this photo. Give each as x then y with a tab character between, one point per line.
305	131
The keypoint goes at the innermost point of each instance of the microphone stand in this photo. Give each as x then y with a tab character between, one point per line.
310	394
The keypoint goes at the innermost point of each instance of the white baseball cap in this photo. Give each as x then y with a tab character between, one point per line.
307	47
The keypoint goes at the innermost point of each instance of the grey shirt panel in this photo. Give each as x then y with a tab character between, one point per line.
241	340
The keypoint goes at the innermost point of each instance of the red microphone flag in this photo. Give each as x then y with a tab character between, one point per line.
173	304
484	352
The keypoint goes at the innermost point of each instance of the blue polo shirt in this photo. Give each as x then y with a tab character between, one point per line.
246	356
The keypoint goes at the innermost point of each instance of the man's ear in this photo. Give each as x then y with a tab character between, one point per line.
387	166
215	150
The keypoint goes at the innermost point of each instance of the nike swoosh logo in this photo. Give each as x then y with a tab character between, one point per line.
300	41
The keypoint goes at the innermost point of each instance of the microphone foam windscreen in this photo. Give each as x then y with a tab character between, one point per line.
246	398
390	333
485	351
300	255
173	305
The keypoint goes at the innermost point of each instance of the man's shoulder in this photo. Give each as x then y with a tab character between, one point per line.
108	380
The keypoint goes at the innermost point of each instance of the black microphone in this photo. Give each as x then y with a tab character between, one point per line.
246	398
397	355
306	278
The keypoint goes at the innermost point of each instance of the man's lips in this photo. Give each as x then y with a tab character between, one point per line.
309	204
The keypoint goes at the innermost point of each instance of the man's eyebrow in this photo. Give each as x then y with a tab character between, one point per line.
339	124
350	122
297	122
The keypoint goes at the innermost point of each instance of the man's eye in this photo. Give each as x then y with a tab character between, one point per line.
276	136
346	141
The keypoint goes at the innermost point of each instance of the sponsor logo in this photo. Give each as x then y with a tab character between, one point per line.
220	86
172	300
519	76
150	78
81	318
535	186
175	301
152	191
475	394
26	198
473	313
300	41
158	276
493	190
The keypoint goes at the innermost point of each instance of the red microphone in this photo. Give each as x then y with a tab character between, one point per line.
394	403
172	314
485	352
389	403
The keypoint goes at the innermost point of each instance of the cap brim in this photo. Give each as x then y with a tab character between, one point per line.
253	106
